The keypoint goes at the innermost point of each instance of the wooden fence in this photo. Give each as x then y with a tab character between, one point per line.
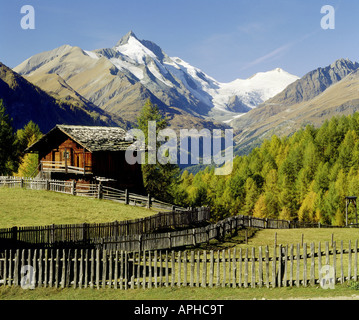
187	237
150	233
195	236
87	190
87	235
277	266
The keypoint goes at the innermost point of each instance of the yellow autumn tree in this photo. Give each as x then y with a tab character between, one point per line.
260	208
285	214
307	211
339	218
25	138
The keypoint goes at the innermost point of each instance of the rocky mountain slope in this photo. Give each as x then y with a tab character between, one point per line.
318	96
25	101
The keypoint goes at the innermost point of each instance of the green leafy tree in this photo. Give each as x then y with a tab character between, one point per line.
8	147
28	135
252	194
159	179
25	138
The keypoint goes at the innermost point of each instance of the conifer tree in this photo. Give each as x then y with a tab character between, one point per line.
8	148
158	178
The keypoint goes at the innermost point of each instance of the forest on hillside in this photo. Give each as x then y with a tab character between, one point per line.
303	177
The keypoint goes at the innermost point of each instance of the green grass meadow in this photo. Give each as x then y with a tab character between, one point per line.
22	208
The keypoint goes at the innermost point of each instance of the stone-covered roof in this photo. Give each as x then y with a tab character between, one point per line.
92	138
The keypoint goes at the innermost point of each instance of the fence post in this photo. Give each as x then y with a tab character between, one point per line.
116	229
100	191
194	237
126	197
47	184
140	243
52	234
169	240
282	281
84	233
73	188
149	202
14	234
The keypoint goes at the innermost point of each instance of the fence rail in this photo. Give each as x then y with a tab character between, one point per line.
278	266
87	190
61	166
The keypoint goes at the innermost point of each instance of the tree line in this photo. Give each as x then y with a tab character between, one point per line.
303	177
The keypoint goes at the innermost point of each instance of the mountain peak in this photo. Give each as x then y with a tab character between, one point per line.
139	50
274	72
124	39
278	70
314	83
346	63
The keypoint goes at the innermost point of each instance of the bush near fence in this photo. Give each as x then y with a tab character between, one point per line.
251	267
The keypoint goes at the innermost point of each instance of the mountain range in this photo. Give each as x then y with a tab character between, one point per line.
120	79
111	85
317	96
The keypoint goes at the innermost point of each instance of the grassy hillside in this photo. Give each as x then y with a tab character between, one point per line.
37	208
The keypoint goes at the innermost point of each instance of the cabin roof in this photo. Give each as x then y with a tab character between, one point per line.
92	138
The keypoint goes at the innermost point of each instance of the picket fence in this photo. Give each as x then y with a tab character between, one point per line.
98	191
277	266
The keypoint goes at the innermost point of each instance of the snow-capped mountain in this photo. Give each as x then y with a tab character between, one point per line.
115	78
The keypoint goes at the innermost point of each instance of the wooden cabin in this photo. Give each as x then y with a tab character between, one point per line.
88	154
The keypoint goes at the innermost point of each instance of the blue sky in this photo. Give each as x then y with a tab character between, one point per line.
227	39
